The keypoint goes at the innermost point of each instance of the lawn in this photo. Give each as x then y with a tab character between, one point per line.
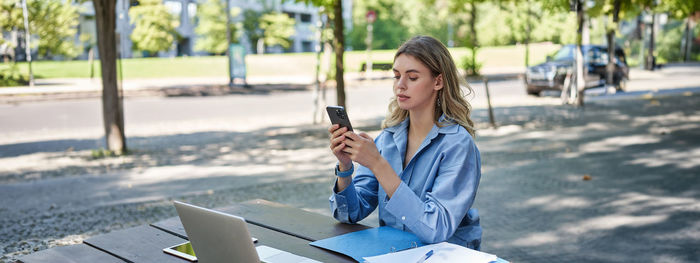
271	64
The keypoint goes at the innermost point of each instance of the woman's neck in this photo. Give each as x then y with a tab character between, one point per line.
421	122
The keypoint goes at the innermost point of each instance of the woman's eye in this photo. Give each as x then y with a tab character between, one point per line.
413	79
397	77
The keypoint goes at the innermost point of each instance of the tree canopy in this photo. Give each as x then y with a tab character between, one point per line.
212	27
154	26
277	28
52	23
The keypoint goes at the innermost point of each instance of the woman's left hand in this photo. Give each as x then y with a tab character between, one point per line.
362	149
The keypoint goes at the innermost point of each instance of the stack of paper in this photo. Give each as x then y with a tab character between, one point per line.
442	252
370	242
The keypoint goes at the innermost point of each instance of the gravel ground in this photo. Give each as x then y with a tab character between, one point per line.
641	203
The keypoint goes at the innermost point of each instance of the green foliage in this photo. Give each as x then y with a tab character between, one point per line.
11	76
212	27
389	30
669	43
680	9
154	26
471	66
52	24
277	29
251	26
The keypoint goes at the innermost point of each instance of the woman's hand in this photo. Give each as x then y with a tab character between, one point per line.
361	149
338	145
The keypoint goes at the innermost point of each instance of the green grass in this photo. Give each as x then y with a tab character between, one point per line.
270	64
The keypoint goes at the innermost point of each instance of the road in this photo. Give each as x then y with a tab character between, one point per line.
148	116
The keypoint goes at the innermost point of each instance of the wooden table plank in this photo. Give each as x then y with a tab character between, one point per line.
138	244
279	217
70	254
291	220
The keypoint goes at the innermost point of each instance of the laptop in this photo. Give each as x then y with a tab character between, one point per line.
220	237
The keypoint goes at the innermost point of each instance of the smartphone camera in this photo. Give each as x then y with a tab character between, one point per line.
340	114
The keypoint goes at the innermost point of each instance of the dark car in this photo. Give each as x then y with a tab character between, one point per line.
550	75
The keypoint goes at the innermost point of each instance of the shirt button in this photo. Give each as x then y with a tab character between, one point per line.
403	218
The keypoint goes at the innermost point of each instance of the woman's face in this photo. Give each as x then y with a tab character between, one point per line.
414	85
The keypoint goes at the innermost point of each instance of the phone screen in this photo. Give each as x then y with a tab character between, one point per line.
183	250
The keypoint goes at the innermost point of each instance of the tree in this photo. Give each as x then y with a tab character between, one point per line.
52	22
154	26
251	26
112	108
336	6
212	27
683	9
389	30
468	8
277	28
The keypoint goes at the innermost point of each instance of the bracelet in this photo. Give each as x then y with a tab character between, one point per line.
344	173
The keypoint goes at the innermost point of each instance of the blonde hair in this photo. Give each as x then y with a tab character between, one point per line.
435	56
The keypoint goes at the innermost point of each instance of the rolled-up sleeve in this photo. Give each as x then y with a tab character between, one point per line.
435	217
356	201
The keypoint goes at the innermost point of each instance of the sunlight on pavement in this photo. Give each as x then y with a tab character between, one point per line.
679	158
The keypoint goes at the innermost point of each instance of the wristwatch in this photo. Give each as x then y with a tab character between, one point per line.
344	173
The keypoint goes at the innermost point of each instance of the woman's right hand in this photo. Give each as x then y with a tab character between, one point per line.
337	146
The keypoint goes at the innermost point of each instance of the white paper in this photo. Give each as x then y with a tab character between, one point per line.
442	252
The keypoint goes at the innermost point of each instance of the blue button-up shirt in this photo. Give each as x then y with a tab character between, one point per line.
437	189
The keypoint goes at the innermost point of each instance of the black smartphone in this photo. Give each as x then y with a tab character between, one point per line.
338	115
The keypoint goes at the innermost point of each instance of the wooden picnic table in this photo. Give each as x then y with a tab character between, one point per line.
273	224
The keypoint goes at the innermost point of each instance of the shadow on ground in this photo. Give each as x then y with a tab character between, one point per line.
640	205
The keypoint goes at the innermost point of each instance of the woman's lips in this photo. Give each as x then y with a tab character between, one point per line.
402	97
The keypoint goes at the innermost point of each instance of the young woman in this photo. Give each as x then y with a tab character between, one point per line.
423	169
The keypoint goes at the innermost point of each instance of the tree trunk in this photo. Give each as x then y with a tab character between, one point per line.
339	43
472	27
611	43
686	39
527	34
105	17
651	60
580	85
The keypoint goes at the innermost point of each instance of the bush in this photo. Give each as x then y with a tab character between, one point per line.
470	66
10	76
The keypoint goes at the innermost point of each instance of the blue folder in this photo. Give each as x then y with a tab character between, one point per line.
370	242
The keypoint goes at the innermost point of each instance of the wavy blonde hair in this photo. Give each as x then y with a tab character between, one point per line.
435	56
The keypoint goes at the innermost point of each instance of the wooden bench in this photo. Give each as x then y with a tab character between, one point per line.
377	66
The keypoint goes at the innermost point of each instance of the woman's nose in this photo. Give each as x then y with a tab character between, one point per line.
401	83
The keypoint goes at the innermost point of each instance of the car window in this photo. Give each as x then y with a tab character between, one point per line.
565	53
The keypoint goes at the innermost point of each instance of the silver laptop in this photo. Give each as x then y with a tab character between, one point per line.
220	237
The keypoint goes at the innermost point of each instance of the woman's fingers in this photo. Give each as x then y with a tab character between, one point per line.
339	132
338	148
332	128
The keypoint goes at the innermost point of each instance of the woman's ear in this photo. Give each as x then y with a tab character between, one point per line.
438	83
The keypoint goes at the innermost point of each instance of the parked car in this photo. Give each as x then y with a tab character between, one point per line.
550	75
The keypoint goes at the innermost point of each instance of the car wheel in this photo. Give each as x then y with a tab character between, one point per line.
532	90
621	85
534	93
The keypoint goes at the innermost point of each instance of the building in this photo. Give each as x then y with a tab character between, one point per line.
304	39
